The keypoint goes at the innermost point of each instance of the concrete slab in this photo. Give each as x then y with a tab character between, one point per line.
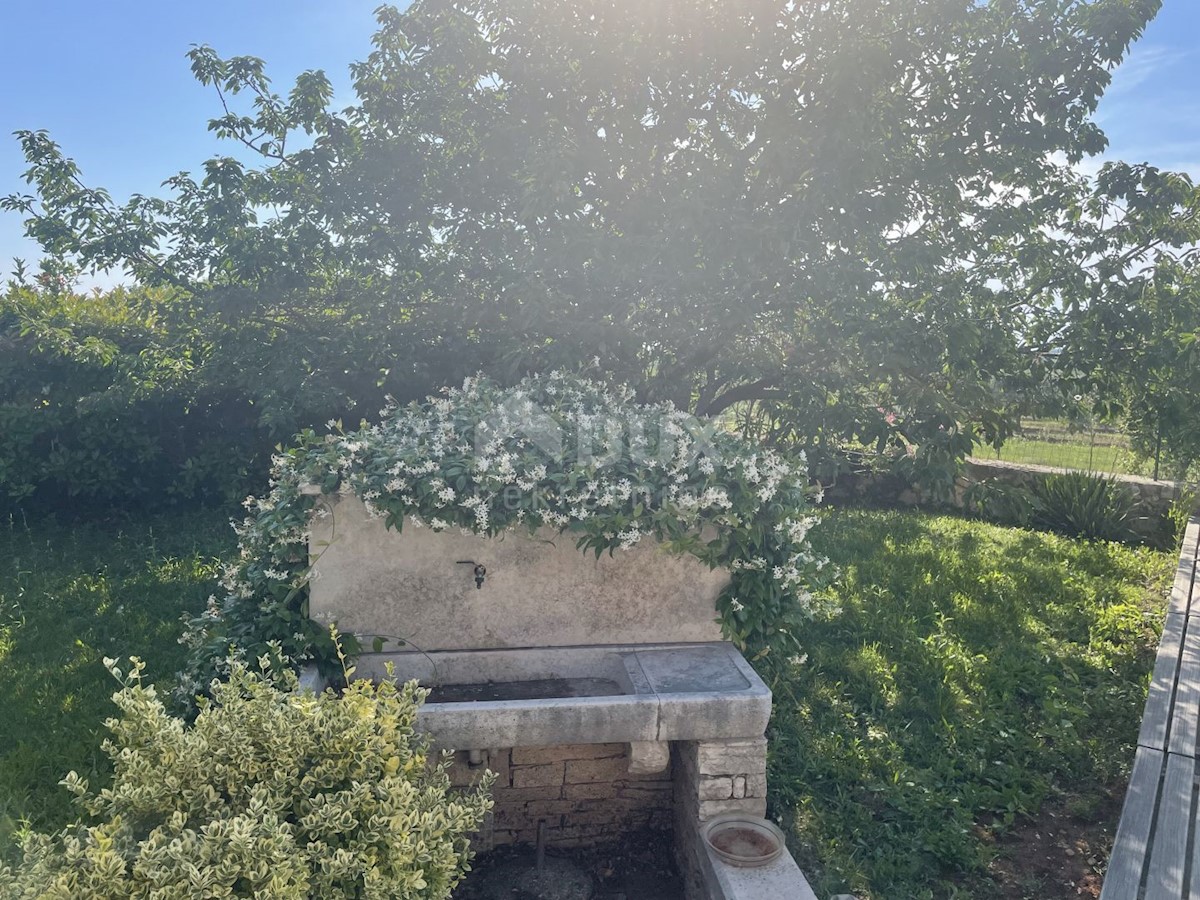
713	716
538	723
691	670
705	692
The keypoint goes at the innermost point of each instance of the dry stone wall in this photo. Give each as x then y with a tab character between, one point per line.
584	793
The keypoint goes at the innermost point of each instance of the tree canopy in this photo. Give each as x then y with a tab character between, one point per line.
852	218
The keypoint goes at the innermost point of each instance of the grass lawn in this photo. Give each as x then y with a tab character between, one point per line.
970	717
980	680
69	596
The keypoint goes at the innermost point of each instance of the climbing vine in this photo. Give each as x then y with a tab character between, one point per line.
556	451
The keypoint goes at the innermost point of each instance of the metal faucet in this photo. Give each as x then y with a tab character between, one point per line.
480	571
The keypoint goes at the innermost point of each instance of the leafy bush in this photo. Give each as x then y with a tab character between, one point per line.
1001	502
103	402
270	793
1180	512
621	471
1084	505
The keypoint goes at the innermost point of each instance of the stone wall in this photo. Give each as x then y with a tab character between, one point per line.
584	793
718	777
1153	495
1154	498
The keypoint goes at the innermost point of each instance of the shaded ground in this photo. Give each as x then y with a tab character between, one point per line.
639	867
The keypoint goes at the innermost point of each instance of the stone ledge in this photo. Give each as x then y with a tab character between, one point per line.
669	693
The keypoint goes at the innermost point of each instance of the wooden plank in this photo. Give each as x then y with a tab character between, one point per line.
1186	710
1169	854
1185	570
1133	831
1162	684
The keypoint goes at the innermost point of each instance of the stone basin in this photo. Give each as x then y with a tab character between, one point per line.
581	695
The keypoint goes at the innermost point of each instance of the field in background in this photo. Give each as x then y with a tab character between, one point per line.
1055	442
1101	449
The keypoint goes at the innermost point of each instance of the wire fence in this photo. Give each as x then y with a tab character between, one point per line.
1088	447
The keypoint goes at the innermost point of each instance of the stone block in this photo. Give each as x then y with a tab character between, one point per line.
739	787
375	581
756	786
580	771
596	790
649	757
510	796
736	757
719	788
775	881
651	793
537	776
752	806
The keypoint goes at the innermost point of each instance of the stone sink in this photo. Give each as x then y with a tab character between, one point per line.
636	693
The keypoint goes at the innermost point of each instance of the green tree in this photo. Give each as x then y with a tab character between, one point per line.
843	217
1133	333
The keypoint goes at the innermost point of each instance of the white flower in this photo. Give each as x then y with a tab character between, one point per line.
629	537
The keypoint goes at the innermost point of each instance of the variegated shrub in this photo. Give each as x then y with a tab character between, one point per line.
269	793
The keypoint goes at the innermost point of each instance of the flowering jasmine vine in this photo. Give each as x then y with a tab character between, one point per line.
558	451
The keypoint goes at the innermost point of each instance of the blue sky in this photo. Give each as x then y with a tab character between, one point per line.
111	84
